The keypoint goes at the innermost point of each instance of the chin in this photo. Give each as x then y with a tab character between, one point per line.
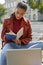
18	18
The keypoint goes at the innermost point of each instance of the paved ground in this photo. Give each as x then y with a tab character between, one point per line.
37	28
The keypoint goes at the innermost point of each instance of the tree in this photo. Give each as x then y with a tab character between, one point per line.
2	11
40	8
32	3
36	4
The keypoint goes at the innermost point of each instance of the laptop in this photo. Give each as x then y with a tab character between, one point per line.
24	56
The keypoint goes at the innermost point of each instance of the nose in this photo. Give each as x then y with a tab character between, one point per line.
18	15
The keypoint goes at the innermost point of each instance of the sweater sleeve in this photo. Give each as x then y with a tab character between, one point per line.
28	38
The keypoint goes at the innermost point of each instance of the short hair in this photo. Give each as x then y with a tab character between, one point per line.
22	5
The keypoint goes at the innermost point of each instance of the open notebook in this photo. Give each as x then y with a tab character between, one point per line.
24	57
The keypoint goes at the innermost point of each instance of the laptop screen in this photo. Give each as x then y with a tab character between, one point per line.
24	57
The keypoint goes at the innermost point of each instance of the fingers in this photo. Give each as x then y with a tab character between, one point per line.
18	41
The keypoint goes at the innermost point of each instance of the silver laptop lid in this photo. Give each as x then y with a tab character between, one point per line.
24	57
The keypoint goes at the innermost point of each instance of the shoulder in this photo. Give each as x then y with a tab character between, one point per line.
7	21
27	21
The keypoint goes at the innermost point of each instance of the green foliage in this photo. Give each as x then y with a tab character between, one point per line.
36	4
2	10
32	3
41	8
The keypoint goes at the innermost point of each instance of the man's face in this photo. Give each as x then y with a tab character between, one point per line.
19	12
